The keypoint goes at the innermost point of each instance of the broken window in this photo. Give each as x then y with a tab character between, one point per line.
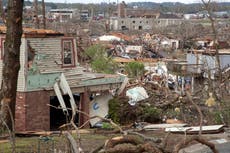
124	28
67	52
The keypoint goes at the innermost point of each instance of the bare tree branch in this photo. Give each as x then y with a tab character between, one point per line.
199	139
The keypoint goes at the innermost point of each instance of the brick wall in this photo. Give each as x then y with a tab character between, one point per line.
20	112
32	112
84	106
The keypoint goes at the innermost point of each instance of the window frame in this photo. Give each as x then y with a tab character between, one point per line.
73	64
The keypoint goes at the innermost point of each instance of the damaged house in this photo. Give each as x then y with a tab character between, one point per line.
207	58
50	75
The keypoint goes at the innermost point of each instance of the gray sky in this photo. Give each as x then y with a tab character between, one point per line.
127	1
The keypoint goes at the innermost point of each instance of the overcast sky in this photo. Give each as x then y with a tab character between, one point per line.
127	1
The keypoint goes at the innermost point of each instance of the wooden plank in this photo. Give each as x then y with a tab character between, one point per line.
32	133
196	129
66	89
123	85
162	126
60	99
4	141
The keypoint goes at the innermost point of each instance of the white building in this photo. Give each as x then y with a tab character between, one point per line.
64	15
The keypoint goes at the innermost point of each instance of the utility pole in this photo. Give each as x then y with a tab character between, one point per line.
2	12
44	14
36	14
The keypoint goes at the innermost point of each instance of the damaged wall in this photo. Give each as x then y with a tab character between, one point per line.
141	23
47	64
32	112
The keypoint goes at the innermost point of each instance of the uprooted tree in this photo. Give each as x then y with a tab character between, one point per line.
11	63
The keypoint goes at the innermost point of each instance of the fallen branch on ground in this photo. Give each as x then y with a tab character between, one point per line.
197	138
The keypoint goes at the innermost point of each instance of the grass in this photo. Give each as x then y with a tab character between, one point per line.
59	143
22	144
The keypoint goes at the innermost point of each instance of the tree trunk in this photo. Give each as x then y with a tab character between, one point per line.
2	12
36	22
44	14
11	62
208	6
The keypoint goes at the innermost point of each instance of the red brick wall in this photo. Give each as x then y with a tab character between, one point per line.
84	106
20	112
32	112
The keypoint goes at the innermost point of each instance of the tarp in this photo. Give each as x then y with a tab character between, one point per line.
99	107
136	94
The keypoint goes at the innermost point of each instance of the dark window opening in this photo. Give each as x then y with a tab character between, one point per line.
134	21
124	28
57	116
140	27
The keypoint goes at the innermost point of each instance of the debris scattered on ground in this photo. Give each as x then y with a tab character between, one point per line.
195	129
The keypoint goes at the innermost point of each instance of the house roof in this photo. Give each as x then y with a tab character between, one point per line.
109	38
141	12
33	32
122	36
211	52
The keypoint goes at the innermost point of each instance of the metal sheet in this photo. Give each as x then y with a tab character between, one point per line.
195	129
99	107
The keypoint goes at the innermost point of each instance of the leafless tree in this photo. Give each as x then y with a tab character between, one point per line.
208	7
36	14
44	14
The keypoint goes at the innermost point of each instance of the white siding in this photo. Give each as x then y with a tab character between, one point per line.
21	74
225	61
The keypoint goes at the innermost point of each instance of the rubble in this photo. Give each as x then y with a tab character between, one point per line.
136	94
195	129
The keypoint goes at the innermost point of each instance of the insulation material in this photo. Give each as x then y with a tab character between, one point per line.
99	107
136	94
66	89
